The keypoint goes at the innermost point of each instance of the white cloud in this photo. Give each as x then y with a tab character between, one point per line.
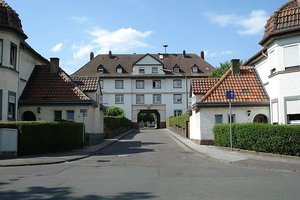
80	19
219	53
122	40
250	25
57	47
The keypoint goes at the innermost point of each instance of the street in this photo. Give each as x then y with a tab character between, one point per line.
147	165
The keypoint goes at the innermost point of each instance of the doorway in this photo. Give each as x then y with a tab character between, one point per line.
148	119
28	116
260	118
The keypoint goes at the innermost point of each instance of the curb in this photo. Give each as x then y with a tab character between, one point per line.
89	154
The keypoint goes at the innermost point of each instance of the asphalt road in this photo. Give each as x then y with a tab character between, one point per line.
147	165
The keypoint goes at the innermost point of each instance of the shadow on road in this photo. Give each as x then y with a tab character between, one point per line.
63	193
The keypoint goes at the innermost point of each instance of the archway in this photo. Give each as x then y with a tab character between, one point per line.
149	119
28	116
260	118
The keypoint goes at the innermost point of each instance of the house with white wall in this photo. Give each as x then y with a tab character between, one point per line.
211	106
278	63
141	83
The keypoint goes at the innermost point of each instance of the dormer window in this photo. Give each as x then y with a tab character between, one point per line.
154	70
119	70
176	69
100	69
142	70
195	69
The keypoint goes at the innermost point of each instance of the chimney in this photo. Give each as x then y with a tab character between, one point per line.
92	55
54	65
183	54
110	54
202	55
235	67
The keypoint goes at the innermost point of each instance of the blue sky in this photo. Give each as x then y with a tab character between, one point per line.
71	29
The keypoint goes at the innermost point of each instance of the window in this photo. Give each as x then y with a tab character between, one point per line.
119	70
11	106
70	115
177	112
119	98
100	69
101	84
177	98
293	119
142	70
154	70
1	96
140	84
177	83
218	119
176	69
291	56
232	118
13	55
140	99
119	84
57	115
156	84
1	51
156	99
195	69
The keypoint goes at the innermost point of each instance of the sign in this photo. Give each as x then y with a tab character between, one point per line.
83	112
230	94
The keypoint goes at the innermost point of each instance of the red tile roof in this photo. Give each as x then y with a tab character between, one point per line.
44	86
86	83
246	85
203	85
284	20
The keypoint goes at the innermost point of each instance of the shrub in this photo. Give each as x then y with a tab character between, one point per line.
47	137
116	125
114	111
280	139
179	121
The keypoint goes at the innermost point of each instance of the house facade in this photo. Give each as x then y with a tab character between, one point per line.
211	106
141	83
278	63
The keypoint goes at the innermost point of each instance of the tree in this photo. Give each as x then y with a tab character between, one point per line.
220	71
114	111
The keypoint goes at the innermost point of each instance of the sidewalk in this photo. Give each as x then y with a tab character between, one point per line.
241	157
56	158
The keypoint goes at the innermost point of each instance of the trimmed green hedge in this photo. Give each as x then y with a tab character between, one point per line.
279	139
116	125
178	121
47	137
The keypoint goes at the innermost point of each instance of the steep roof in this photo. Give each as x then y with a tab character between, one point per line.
46	87
9	19
203	85
285	20
86	83
111	62
246	85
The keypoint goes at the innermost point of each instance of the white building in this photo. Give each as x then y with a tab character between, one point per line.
211	106
156	83
278	63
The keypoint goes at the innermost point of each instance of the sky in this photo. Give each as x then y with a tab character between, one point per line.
71	29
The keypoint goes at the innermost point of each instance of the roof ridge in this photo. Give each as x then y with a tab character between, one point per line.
217	84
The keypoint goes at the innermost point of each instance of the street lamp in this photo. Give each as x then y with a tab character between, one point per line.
186	85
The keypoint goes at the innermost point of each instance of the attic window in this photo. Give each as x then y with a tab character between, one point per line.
195	69
176	69
100	69
245	90
119	70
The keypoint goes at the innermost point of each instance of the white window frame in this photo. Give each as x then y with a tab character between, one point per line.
119	84
119	99
154	70
119	70
177	98
13	55
70	115
156	84
156	98
195	69
141	70
177	83
140	84
140	99
11	110
177	112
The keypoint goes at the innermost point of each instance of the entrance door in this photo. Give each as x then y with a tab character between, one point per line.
148	119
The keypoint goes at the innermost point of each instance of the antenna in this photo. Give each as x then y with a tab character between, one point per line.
165	46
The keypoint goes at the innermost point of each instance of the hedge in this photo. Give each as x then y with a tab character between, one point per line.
279	139
178	121
114	125
47	137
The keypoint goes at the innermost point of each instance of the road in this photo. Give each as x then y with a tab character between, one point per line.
147	165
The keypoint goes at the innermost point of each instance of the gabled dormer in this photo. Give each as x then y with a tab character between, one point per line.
148	65
120	69
101	69
176	69
195	69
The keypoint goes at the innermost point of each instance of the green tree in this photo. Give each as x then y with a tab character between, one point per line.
220	71
114	111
